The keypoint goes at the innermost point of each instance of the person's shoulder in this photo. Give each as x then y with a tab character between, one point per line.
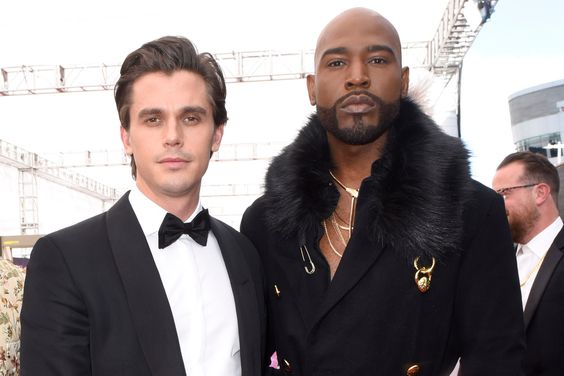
255	212
232	235
481	193
229	230
8	270
218	223
87	226
12	278
79	237
259	204
483	205
98	222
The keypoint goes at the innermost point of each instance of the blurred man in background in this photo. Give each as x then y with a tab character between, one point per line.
529	183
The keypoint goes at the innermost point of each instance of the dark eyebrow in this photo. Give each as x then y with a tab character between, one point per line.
381	47
194	109
333	51
157	111
149	111
372	48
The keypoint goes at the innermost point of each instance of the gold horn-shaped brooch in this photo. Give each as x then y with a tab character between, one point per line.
423	275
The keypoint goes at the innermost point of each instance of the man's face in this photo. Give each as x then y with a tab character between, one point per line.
359	80
522	212
171	133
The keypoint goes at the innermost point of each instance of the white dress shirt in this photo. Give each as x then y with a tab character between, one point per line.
531	255
199	293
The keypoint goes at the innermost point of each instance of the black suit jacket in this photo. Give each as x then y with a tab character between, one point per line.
94	303
544	315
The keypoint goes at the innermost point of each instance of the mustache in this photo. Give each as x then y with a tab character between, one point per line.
372	96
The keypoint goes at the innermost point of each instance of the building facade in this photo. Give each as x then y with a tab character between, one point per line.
537	119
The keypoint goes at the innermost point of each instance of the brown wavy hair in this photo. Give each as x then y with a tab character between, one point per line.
169	54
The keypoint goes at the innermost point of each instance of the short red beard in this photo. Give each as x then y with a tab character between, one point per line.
522	222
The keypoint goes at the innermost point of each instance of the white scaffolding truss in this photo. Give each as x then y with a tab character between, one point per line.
443	56
242	66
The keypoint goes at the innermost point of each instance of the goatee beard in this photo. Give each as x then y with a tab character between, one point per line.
360	133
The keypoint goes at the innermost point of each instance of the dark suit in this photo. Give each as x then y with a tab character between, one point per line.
544	313
94	303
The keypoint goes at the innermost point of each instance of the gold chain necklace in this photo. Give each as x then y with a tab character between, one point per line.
346	225
537	266
329	241
351	191
337	230
354	195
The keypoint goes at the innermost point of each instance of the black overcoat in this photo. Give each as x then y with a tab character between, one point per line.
371	318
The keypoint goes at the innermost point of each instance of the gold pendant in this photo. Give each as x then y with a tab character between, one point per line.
423	283
423	275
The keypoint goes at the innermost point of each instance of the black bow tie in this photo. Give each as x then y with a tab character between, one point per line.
172	227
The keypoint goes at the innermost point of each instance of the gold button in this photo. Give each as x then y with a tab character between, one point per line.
413	370
286	366
277	291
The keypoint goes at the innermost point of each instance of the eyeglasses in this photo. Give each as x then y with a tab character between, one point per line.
505	191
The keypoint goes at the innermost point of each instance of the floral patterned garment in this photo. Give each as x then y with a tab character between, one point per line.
11	282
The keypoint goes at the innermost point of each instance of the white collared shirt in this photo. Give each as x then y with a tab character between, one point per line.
199	293
531	255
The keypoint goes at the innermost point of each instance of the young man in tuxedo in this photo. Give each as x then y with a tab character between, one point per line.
154	286
529	183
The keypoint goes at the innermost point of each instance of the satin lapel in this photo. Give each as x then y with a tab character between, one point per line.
148	303
357	260
550	262
244	293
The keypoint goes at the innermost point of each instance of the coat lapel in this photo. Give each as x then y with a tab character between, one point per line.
550	262
148	303
352	268
245	297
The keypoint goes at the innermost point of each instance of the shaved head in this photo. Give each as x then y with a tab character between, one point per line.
361	18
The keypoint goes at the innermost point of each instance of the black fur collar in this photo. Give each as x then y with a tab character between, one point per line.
421	184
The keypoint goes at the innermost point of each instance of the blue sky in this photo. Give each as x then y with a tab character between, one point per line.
523	26
522	45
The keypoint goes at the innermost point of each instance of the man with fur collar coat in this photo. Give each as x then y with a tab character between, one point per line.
382	255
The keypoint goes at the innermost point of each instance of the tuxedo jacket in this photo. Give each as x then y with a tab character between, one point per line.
544	315
94	303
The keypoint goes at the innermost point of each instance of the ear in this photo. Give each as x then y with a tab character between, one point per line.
311	89
404	81
125	141
217	136
542	193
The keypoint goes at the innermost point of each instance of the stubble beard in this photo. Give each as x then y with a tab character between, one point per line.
360	133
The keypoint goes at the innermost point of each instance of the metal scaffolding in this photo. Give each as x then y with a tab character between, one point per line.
238	67
457	30
442	56
31	166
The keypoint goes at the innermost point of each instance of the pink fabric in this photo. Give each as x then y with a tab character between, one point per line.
274	361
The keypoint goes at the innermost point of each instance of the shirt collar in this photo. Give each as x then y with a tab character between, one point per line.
540	244
149	214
